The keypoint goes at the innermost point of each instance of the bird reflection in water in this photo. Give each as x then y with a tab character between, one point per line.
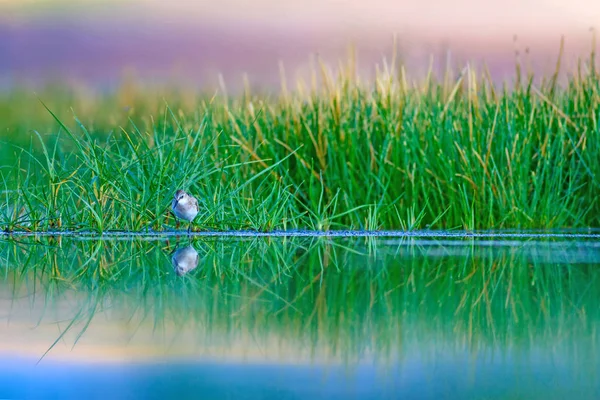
184	260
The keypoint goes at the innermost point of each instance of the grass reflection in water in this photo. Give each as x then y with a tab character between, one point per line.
307	299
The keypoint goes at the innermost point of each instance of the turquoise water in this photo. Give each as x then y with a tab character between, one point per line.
488	317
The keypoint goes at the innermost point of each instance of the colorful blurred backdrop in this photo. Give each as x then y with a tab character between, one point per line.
100	41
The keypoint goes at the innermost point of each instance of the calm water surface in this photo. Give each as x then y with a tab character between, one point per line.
294	318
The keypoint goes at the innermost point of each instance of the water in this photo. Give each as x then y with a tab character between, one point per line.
300	317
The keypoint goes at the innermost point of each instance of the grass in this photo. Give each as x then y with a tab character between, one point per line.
451	152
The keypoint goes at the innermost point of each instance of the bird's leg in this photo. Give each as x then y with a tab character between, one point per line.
177	224
189	228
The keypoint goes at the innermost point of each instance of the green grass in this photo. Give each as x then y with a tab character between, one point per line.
455	152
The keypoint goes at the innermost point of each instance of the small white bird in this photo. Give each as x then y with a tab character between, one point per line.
185	207
184	260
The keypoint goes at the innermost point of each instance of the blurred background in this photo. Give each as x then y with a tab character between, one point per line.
100	41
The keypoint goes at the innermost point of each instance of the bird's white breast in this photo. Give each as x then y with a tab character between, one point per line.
184	209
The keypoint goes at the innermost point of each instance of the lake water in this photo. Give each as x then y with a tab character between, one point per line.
300	317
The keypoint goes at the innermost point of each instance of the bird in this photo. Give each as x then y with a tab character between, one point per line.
184	260
185	206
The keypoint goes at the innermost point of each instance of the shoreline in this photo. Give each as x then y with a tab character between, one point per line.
591	233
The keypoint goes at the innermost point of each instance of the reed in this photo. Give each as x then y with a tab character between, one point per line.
339	152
